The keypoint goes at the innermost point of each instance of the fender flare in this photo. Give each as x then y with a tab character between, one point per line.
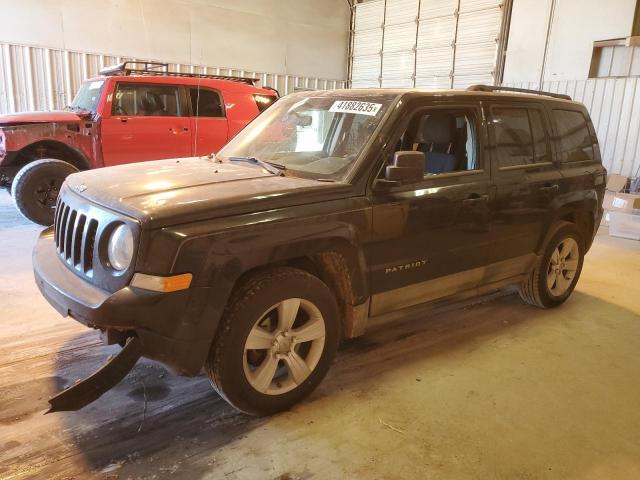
569	207
79	159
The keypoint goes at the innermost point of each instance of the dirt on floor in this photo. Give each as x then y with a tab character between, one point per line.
495	389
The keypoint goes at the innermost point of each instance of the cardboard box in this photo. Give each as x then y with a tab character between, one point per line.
625	224
626	201
619	202
607	205
616	183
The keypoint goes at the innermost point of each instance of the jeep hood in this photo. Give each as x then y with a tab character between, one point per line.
169	192
21	118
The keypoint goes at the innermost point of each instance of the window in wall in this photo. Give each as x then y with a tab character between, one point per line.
611	60
576	143
205	103
512	131
146	100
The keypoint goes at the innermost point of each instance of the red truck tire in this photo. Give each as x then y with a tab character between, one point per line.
35	188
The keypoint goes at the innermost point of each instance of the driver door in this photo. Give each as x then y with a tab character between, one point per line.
431	239
146	122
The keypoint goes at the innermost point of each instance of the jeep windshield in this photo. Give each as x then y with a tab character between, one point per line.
88	96
313	134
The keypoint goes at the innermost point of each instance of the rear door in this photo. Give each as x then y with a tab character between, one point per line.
578	154
146	122
527	182
209	126
431	239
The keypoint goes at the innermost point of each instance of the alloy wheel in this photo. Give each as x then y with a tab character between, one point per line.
284	346
563	266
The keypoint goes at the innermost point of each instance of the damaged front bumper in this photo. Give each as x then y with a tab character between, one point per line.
91	388
165	326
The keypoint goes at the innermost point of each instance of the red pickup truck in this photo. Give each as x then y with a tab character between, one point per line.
129	113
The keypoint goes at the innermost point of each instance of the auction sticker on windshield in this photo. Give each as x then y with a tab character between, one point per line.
352	106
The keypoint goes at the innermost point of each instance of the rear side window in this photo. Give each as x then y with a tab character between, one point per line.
206	103
575	140
513	138
521	136
540	138
146	100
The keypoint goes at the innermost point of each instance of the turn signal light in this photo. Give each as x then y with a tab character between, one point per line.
162	284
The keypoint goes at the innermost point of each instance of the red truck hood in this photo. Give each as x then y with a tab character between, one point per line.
39	117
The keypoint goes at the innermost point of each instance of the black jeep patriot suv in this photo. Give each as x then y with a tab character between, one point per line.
328	210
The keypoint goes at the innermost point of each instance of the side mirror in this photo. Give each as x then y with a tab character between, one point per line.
408	167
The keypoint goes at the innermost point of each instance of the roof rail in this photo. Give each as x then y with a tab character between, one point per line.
162	69
498	88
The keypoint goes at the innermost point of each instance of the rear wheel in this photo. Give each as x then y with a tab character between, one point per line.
276	343
36	186
556	274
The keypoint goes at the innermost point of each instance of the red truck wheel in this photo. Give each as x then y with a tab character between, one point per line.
35	188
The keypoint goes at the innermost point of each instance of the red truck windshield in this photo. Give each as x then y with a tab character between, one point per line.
88	96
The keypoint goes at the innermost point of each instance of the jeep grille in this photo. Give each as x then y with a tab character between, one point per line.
75	236
81	231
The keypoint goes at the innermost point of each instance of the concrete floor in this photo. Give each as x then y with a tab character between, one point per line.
493	390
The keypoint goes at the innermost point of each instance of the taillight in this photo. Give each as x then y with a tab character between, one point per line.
264	101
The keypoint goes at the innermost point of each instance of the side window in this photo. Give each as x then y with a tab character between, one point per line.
448	139
513	138
206	103
146	100
540	137
575	140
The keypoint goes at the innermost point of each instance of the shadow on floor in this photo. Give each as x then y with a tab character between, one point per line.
154	422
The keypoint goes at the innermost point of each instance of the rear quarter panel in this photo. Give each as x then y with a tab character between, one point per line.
583	182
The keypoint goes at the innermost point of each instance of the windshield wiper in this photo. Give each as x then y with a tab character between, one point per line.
273	168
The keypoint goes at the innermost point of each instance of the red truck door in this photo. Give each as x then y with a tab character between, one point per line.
147	122
209	126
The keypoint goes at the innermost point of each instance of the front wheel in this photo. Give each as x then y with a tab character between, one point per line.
276	341
556	273
36	186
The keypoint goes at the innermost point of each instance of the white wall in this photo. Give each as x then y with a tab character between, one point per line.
297	37
576	25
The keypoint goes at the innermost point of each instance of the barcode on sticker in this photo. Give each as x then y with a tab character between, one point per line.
352	106
619	202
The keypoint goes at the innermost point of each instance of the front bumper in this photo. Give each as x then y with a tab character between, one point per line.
7	173
168	325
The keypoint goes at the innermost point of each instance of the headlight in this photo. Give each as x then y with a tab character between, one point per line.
120	248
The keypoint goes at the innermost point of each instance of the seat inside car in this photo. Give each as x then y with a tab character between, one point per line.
150	104
436	137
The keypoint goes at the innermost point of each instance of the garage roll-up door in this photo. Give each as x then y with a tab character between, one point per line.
425	43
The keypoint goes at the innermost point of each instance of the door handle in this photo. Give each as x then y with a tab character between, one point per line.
548	189
475	200
124	120
185	129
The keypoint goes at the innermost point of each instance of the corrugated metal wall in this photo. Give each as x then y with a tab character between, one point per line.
34	78
614	105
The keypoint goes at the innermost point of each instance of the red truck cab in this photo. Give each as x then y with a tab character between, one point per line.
131	112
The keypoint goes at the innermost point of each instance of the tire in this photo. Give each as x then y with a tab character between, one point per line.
553	278
36	186
258	307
